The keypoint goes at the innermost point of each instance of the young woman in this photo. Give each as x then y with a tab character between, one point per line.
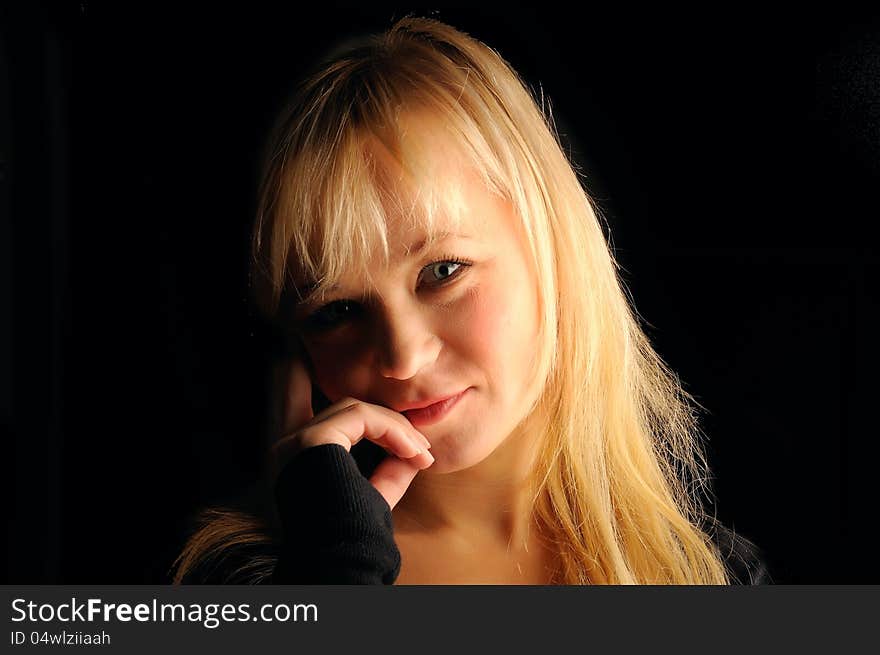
469	398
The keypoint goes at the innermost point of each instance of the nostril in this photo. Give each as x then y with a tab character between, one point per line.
403	361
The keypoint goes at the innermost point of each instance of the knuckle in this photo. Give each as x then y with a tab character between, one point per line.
348	402
351	405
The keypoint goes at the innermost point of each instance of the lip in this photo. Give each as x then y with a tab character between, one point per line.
432	411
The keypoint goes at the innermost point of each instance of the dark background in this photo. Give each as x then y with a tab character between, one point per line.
735	154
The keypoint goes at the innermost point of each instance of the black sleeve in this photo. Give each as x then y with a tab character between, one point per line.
336	526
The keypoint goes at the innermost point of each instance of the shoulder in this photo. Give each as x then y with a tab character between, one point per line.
745	561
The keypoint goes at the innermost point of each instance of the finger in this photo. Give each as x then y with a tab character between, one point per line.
335	408
400	419
297	396
404	421
392	478
363	420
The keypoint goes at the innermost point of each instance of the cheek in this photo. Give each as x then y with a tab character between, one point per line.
338	372
486	328
501	329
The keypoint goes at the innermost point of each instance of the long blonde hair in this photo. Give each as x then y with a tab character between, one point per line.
620	479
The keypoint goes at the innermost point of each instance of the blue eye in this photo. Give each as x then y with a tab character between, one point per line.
339	312
443	270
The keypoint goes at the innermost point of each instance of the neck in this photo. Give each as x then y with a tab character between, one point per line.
491	499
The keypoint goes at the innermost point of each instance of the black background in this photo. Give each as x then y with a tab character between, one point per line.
735	154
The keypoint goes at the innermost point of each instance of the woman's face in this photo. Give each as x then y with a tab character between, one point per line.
458	319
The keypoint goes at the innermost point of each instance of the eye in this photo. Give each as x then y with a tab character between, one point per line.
332	315
439	272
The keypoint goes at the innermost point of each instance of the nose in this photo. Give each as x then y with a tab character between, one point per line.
407	345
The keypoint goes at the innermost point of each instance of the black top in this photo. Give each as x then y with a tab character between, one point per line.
322	494
349	533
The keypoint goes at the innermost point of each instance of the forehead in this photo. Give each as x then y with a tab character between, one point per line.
427	189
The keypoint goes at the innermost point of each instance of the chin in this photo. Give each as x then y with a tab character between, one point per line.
451	456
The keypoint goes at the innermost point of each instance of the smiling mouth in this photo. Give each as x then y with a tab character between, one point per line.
433	413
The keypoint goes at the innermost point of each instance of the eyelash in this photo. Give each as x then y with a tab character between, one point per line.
318	321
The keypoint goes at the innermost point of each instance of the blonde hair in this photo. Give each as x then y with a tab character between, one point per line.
620	475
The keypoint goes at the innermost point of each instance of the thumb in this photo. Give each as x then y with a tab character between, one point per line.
392	478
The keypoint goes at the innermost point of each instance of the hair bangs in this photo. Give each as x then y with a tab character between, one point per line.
401	157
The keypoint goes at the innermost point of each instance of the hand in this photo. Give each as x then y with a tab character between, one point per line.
345	423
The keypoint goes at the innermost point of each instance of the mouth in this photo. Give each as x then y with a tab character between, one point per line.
435	412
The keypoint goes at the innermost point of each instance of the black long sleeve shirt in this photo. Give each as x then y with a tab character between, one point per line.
336	526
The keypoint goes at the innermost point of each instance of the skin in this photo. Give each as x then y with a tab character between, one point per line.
421	328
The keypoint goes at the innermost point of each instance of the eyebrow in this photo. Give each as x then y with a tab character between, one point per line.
415	249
